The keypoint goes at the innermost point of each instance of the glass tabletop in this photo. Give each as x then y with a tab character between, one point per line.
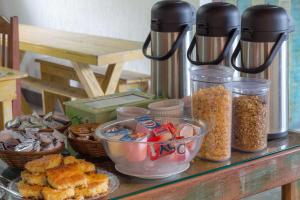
130	186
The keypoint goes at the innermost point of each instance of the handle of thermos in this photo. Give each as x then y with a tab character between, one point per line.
174	47
234	33
264	66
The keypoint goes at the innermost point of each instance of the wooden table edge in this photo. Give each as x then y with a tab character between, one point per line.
161	191
13	74
97	60
59	53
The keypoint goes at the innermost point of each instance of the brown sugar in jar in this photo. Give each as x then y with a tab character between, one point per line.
250	115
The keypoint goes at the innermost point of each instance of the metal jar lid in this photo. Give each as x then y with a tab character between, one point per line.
265	23
217	19
171	16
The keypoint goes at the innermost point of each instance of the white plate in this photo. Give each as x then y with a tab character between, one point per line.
144	176
113	184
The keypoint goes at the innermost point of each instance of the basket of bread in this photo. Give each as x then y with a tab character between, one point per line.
82	139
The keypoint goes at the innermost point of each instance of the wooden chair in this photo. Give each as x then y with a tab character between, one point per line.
10	53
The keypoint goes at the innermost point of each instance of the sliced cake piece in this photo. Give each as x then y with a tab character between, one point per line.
44	163
54	194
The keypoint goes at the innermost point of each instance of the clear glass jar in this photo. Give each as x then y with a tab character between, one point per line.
212	103
250	114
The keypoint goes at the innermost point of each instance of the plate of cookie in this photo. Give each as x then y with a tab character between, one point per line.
63	178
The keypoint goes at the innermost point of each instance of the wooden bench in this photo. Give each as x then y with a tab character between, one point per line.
59	82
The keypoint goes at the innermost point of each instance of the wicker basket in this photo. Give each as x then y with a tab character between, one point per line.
89	148
19	159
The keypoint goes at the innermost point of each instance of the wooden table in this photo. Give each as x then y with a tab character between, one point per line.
245	174
83	50
8	93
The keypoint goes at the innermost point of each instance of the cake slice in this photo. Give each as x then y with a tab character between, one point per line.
30	191
97	185
34	179
85	166
66	176
54	194
44	163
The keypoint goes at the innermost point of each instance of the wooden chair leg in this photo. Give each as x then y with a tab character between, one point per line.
17	103
49	102
6	113
289	191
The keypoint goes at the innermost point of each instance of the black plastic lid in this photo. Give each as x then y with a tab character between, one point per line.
171	16
217	19
264	23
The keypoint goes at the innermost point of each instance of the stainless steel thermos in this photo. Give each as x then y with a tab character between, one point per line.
171	33
217	30
264	54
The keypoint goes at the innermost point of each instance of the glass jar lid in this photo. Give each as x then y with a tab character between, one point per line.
250	86
212	74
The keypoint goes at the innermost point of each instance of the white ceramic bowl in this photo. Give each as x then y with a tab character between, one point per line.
136	158
167	108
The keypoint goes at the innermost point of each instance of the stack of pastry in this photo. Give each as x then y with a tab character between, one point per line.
53	177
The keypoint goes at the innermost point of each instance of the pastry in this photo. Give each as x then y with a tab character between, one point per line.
97	184
44	163
85	166
70	160
92	189
30	191
34	179
66	176
53	194
56	178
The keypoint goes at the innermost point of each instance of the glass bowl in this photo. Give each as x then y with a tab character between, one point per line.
153	160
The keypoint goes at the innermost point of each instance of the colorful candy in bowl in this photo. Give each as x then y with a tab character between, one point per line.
152	147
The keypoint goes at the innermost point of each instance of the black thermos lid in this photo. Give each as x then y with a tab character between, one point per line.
264	23
217	19
171	16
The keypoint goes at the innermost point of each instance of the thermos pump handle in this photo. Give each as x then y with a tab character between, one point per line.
174	47
234	33
264	66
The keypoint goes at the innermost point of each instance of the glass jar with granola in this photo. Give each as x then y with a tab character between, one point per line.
212	103
250	114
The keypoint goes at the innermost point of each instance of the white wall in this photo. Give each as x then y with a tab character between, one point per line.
126	19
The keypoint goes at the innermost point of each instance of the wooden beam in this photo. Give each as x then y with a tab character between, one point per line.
5	113
26	110
289	191
87	79
14	60
7	90
49	102
112	78
39	85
